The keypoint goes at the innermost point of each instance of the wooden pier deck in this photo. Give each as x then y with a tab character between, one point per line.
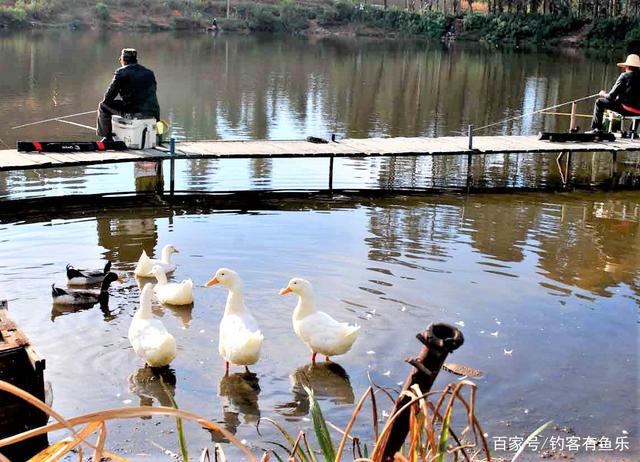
371	147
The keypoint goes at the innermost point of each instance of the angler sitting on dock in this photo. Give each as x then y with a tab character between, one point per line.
136	85
624	97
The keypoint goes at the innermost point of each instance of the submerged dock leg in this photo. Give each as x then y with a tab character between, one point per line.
331	173
172	168
614	168
469	173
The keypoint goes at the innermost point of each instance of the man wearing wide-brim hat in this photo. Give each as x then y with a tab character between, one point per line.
624	97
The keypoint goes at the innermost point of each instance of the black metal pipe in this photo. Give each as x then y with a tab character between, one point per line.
331	173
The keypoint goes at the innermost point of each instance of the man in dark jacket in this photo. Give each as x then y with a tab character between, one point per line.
136	86
624	97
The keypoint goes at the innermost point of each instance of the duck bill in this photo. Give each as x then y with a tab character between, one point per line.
176	250
285	291
212	282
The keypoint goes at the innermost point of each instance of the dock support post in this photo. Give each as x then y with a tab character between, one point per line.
159	178
438	341
469	173
614	168
568	166
573	125
331	173
470	133
172	181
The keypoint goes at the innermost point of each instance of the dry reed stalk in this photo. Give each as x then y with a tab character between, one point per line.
352	420
296	443
97	419
389	425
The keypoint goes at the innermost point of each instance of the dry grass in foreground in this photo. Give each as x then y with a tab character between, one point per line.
431	436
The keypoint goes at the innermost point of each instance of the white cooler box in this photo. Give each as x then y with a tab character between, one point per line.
136	133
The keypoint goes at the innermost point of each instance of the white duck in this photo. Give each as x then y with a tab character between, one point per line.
146	264
172	293
319	331
148	336
240	338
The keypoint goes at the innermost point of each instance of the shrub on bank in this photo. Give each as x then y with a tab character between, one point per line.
102	12
614	32
517	28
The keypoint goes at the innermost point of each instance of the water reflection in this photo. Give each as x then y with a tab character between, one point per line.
269	87
328	380
183	312
238	394
594	246
62	310
151	385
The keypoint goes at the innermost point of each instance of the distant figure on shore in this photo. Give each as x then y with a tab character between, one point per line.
136	87
623	98
214	25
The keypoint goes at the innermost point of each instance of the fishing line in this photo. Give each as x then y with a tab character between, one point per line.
3	142
535	112
54	119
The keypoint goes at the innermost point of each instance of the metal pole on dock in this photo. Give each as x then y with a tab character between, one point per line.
470	133
172	151
469	171
331	173
438	341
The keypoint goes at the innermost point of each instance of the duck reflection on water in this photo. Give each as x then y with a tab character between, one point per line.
149	384
183	312
327	380
239	398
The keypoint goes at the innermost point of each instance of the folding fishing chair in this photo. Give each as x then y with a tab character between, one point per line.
610	116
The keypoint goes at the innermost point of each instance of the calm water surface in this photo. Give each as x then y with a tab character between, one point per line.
553	278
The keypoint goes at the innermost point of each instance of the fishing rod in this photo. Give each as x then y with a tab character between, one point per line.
535	112
58	119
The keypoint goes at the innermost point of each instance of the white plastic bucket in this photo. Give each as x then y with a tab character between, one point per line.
136	133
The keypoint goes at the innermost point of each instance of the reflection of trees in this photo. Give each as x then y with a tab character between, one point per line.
499	226
590	245
592	248
399	231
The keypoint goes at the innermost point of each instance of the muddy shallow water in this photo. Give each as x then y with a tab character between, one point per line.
552	278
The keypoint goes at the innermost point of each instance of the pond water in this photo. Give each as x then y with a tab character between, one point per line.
545	287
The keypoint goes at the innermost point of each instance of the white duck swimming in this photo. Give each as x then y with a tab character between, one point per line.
172	293
240	338
146	264
148	336
319	331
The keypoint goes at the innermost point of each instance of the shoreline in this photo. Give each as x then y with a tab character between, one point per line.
320	21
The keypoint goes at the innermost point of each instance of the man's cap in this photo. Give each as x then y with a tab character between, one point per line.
129	54
632	61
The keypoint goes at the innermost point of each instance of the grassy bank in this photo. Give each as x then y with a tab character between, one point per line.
326	17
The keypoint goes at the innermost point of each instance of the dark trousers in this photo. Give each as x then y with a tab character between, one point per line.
601	105
105	112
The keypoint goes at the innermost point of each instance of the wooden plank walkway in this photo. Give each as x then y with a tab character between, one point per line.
13	160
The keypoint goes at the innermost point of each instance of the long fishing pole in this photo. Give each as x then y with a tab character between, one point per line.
54	119
535	112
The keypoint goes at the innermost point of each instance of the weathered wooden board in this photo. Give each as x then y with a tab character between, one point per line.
446	145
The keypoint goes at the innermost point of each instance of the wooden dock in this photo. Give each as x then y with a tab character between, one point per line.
371	147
